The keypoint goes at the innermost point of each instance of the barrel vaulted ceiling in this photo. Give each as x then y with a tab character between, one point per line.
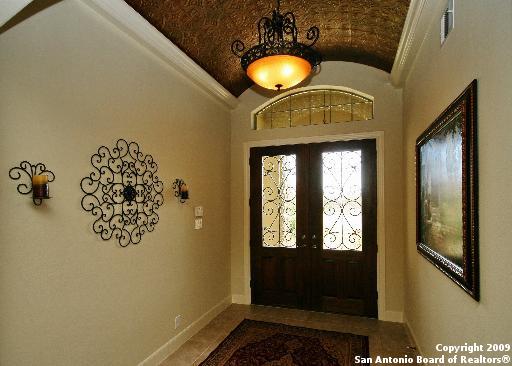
363	31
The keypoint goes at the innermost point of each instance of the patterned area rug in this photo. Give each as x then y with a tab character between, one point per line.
256	343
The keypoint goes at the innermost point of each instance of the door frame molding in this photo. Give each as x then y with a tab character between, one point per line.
381	224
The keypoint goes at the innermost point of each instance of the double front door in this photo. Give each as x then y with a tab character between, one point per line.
313	226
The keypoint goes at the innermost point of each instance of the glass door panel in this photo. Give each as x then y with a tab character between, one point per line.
342	200
279	201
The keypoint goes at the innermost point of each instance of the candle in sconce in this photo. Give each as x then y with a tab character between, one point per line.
184	191
39	179
40	186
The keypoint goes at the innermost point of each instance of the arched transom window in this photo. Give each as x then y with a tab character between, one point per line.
314	107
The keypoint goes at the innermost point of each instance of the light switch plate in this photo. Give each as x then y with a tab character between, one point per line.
198	211
177	321
198	223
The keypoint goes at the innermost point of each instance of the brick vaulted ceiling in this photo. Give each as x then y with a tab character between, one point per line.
363	31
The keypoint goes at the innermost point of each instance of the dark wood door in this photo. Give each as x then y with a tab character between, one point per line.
313	226
343	216
278	207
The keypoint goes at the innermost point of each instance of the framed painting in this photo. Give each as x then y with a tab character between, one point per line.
446	192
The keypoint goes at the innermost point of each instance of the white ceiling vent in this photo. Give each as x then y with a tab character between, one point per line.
447	20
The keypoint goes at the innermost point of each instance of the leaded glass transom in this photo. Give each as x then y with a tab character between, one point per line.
314	107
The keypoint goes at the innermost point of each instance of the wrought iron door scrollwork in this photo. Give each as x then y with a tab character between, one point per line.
123	193
342	200
279	201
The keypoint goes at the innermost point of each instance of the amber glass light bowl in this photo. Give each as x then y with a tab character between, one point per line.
279	71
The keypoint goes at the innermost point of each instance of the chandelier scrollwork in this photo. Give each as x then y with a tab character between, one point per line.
278	36
123	193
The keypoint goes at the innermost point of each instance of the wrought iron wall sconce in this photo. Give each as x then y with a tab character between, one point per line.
180	190
38	178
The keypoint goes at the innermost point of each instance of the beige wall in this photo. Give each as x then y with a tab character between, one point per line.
437	310
388	118
70	82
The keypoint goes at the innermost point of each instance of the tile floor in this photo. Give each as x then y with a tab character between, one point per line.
386	338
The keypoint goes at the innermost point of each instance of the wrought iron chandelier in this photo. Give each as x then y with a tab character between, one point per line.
279	60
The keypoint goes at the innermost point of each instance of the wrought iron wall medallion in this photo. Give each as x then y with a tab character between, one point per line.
123	193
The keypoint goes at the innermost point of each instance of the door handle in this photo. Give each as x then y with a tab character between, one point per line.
302	244
313	244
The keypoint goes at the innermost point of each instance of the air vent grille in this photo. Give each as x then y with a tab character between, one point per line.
447	20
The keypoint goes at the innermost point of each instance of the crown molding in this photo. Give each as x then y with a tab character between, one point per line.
9	8
416	24
132	23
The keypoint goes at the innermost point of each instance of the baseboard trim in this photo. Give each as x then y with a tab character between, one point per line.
392	316
412	336
240	299
179	339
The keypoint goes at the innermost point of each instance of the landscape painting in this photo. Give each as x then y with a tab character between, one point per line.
441	192
446	192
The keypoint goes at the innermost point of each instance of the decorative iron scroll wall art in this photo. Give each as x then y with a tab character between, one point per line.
123	193
37	176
